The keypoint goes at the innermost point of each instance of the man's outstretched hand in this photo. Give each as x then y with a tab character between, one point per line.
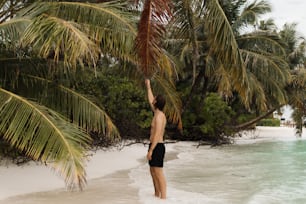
148	83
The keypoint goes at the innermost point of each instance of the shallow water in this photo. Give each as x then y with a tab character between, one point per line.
270	169
265	172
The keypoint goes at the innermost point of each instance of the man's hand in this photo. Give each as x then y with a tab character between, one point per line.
147	82
149	155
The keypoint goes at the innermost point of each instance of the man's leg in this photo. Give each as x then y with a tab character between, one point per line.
155	181
161	182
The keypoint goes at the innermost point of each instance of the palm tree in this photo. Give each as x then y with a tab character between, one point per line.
154	61
202	39
293	90
226	59
42	48
295	49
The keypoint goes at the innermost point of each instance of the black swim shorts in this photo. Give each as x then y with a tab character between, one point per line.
158	155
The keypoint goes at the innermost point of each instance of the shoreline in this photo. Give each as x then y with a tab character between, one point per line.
112	188
107	173
34	177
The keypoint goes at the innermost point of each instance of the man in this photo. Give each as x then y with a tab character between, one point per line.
156	150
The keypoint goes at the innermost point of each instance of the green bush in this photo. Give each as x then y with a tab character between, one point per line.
123	101
209	120
269	122
217	115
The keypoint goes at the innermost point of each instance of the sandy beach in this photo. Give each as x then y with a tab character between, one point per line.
107	178
107	174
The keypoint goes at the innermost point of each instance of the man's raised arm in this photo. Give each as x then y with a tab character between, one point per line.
150	93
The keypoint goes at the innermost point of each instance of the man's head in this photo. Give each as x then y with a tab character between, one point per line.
159	102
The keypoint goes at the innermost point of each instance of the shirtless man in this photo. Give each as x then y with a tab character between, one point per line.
156	150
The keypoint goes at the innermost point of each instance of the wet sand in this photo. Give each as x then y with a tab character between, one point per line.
108	180
111	189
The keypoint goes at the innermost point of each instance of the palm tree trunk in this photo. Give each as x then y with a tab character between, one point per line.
255	120
194	87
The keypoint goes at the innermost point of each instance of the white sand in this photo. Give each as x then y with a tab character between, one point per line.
16	181
32	177
269	133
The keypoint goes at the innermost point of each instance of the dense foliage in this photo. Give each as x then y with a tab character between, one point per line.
124	101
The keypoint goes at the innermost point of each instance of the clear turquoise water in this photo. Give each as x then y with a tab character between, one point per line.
270	172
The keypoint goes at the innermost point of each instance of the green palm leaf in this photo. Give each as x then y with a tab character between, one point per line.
251	13
82	33
154	17
265	41
79	109
107	24
173	106
11	30
63	38
44	135
257	93
223	45
185	25
263	65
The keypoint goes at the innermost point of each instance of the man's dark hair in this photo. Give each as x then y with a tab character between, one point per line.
160	102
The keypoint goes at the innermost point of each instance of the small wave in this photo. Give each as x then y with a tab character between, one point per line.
142	180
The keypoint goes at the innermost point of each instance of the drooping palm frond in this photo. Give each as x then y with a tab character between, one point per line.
173	106
44	135
185	26
251	13
222	80
262	41
108	24
257	95
268	24
77	108
297	98
297	87
295	45
9	9
82	33
271	71
154	17
223	45
266	58
64	40
10	31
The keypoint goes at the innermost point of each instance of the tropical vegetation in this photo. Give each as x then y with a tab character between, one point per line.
72	73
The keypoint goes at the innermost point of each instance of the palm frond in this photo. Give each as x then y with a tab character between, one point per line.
77	108
297	89
223	45
263	65
257	94
44	135
154	17
251	13
223	81
62	39
262	41
108	24
11	30
111	13
185	25
274	66
87	114
267	25
173	106
82	33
